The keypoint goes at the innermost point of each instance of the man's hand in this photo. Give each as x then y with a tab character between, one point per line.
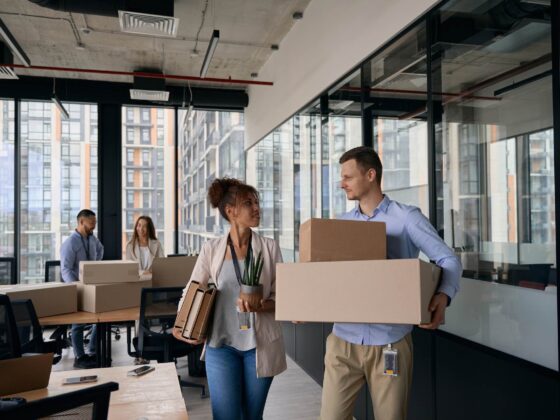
437	308
178	336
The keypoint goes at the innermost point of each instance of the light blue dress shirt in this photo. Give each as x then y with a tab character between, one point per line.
74	249
408	233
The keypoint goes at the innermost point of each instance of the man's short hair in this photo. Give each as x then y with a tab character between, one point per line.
87	213
366	159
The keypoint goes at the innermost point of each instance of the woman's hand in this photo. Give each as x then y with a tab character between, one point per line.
244	306
178	336
265	306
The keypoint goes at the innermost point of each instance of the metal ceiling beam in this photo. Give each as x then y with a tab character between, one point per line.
75	90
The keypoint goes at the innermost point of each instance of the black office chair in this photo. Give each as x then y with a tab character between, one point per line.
30	332
8	270
88	403
52	271
9	340
158	310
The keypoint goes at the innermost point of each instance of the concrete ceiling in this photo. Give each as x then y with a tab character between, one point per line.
248	28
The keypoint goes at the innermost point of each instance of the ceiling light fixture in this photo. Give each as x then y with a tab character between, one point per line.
210	52
13	44
58	104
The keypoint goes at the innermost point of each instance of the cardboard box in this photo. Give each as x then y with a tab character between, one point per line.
26	373
341	240
172	271
381	291
48	298
108	272
110	297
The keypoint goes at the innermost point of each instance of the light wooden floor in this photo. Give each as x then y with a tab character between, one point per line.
293	395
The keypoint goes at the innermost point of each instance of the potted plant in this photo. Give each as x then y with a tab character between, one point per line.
251	289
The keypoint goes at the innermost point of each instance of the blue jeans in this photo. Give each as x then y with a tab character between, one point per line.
78	339
235	390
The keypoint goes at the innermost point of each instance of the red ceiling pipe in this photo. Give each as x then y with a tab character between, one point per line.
144	74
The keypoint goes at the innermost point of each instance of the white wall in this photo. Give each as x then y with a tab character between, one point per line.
332	38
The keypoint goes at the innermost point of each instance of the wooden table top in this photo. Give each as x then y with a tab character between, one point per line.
155	395
80	317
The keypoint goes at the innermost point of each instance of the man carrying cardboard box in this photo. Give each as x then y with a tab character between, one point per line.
81	245
381	354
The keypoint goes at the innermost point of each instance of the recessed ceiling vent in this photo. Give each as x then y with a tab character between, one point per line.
146	24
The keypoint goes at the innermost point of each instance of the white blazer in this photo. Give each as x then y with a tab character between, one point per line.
271	356
155	247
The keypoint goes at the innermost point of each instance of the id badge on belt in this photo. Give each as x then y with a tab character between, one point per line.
391	361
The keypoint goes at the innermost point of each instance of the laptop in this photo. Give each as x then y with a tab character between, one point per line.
31	371
172	271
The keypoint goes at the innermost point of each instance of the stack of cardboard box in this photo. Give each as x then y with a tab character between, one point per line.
344	276
109	285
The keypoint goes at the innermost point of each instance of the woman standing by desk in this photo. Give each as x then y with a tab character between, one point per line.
144	245
240	364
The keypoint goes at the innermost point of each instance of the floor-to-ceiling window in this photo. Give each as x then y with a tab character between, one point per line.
7	189
342	131
148	177
211	145
270	169
58	178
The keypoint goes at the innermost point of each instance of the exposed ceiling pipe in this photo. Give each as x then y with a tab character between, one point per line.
416	92
108	7
146	74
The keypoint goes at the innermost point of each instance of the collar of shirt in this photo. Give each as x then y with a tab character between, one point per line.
382	206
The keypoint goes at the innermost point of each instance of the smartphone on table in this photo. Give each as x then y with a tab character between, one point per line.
142	370
80	380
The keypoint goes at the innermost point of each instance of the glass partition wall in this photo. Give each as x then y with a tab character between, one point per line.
459	108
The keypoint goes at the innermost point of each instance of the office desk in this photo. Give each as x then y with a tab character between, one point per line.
156	395
104	320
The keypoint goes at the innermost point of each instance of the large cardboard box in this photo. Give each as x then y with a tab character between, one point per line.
108	272
26	373
110	297
380	291
172	271
48	298
341	240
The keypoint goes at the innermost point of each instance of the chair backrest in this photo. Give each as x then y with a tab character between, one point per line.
28	327
52	271
158	310
9	339
8	270
88	403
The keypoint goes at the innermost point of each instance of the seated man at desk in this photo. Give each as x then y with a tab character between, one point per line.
81	245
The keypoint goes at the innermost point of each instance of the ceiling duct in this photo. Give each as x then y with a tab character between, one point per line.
149	89
6	59
146	17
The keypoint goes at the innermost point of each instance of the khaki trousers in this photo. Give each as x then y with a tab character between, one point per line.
348	366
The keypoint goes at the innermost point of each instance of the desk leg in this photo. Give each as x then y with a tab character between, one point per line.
108	346
100	344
